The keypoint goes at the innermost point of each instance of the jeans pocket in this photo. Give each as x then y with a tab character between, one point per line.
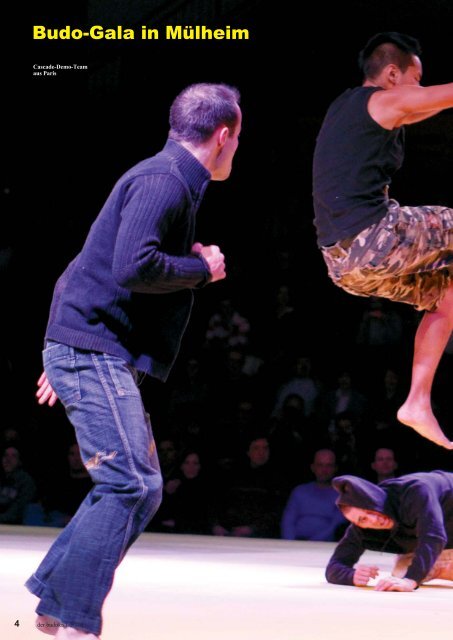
121	376
60	367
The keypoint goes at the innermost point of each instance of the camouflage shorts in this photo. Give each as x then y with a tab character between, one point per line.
406	257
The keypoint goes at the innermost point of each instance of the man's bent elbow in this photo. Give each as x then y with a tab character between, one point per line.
343	576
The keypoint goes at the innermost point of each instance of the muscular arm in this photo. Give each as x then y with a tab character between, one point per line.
406	104
418	117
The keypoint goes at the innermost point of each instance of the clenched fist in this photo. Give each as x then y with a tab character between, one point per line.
214	258
363	574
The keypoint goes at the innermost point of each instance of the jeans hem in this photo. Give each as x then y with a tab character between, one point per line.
49	608
66	620
35	586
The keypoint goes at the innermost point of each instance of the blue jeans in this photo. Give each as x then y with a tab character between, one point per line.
103	403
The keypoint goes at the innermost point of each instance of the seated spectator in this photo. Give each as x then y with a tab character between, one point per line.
379	333
168	457
252	501
17	488
343	438
227	433
343	398
10	437
73	486
227	328
291	435
301	383
389	394
311	512
384	465
188	387
232	376
279	326
186	502
397	437
63	494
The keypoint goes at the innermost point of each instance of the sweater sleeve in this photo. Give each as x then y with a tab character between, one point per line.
422	506
339	569
289	517
153	204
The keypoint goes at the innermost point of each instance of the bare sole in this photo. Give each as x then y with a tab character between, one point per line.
431	431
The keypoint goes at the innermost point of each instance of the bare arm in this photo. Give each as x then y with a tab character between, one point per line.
418	117
406	104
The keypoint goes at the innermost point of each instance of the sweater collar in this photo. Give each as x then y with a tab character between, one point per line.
194	172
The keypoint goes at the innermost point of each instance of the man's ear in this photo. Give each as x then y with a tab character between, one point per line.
392	73
222	136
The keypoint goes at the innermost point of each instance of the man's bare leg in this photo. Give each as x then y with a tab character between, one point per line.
430	341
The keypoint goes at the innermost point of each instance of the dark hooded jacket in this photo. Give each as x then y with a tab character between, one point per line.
421	505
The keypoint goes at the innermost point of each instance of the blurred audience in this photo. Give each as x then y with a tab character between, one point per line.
301	383
344	397
260	384
227	327
187	499
253	499
17	488
58	500
384	465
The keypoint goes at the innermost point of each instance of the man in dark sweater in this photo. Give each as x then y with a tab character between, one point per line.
373	246
121	307
411	515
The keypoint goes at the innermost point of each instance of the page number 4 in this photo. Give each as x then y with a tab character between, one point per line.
16	624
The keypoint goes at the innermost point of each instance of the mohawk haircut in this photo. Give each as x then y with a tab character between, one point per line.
389	47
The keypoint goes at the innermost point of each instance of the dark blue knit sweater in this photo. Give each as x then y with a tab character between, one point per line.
129	291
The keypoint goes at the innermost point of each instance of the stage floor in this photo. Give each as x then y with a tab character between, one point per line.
173	587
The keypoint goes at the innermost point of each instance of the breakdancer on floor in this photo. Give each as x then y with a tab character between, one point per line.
121	307
411	516
373	246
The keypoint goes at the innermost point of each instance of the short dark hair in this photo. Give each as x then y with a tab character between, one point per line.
200	108
389	47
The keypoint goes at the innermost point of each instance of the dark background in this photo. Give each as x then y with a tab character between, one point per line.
80	130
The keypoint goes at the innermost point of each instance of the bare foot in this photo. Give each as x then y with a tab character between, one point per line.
47	624
424	423
69	633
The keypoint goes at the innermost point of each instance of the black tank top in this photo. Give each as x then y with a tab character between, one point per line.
353	163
